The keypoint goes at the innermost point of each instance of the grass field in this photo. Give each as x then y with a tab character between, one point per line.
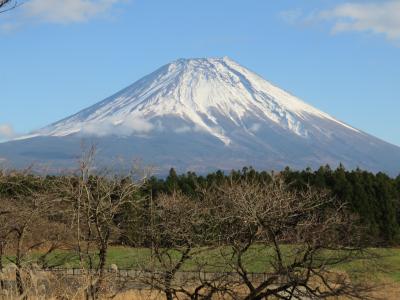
383	271
386	266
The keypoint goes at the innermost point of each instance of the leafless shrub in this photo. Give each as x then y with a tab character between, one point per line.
301	237
95	200
180	232
28	224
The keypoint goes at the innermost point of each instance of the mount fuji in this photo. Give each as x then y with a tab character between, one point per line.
202	115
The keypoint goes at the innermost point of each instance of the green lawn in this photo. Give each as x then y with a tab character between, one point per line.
387	265
133	258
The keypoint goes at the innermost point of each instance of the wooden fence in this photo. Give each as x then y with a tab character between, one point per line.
181	275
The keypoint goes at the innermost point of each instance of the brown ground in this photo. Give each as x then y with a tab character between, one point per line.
389	292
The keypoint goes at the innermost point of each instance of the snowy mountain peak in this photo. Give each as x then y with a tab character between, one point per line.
212	95
205	114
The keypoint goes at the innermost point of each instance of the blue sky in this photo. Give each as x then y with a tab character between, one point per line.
59	56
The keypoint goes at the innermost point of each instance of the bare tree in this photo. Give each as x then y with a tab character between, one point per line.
298	239
96	200
28	223
180	233
4	232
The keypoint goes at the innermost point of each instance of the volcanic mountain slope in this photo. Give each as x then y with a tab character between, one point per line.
206	114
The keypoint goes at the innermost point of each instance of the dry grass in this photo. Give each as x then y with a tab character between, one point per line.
139	295
388	292
44	285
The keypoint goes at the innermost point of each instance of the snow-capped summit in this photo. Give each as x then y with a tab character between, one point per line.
209	113
203	93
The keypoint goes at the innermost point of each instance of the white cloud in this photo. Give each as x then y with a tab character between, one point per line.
135	125
138	125
380	17
377	17
57	11
6	132
66	11
255	127
183	129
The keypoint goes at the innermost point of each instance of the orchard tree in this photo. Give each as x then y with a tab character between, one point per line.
29	222
96	200
298	238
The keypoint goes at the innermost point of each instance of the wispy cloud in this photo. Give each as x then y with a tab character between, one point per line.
377	17
135	125
381	17
66	11
255	127
57	11
183	129
6	132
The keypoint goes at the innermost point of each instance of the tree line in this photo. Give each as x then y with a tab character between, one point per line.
375	198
